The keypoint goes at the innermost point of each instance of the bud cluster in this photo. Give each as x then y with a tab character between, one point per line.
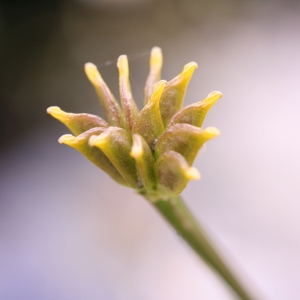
151	150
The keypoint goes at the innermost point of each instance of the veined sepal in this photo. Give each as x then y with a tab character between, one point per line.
77	123
174	173
95	155
195	114
174	92
185	139
109	104
116	144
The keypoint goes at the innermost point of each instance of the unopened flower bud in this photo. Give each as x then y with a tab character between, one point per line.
129	106
152	150
185	139
109	105
77	123
116	145
173	173
149	122
144	162
95	155
195	114
156	60
173	95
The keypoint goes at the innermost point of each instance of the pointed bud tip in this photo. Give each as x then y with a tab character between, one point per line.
90	67
190	67
57	113
215	94
212	98
156	50
122	65
157	92
54	111
192	174
122	58
188	70
156	58
67	139
212	132
159	86
92	72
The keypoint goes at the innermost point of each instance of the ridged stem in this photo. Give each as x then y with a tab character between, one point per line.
177	214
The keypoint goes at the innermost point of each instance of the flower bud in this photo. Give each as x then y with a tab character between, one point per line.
77	123
95	155
195	114
156	60
129	107
144	162
173	95
109	105
149	123
173	173
152	150
116	145
185	139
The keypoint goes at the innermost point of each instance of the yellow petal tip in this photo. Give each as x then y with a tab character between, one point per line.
122	65
156	58
159	87
67	139
156	51
212	98
212	132
215	94
53	109
92	73
56	112
188	71
190	67
192	174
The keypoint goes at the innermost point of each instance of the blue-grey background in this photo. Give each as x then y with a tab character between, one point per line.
67	231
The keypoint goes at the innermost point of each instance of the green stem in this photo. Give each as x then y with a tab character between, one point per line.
176	213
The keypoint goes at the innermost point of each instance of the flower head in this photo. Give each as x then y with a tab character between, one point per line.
151	150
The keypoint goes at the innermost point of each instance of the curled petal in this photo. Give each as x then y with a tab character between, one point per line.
129	106
194	114
77	123
144	162
109	105
173	173
173	95
149	122
115	142
185	139
156	61
95	155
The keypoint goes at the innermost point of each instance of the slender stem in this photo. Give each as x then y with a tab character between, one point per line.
176	213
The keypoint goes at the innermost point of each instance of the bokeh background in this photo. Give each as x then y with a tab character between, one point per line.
67	231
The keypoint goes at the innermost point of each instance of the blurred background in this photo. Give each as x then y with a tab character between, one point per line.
67	231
